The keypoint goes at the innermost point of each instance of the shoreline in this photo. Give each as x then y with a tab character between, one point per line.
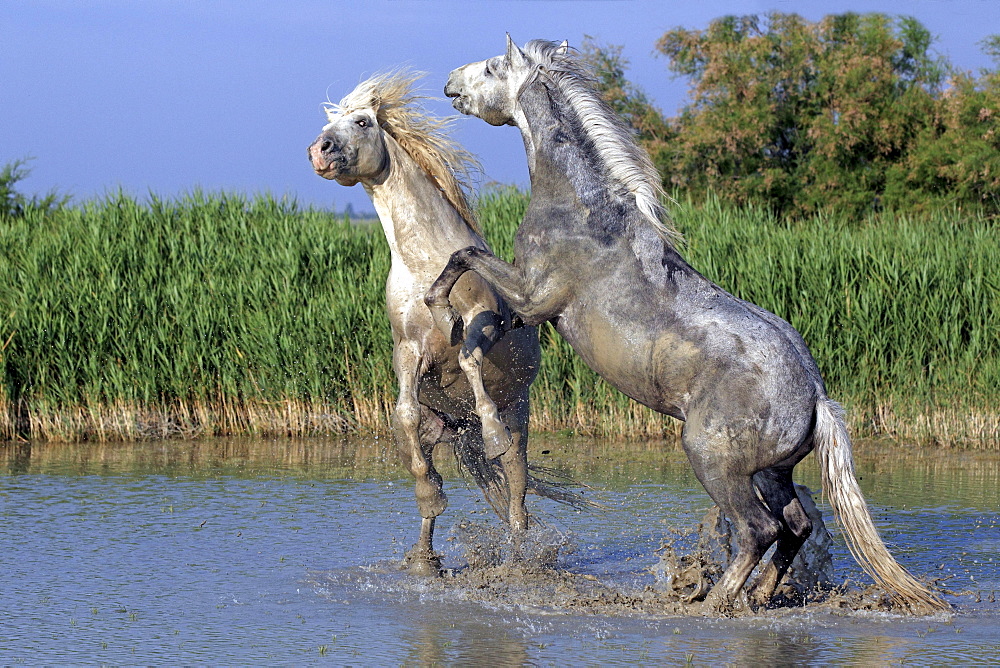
966	428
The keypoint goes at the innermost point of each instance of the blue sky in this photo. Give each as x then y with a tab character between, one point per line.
168	96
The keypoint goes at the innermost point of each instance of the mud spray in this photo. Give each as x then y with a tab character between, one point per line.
527	574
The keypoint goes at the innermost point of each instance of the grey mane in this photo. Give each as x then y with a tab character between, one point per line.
626	163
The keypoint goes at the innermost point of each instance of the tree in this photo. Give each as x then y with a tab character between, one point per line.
955	159
850	114
801	116
13	203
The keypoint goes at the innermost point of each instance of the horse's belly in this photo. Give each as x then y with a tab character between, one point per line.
656	370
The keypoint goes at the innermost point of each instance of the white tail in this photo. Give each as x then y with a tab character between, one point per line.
833	446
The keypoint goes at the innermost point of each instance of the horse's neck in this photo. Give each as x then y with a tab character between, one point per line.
521	123
558	162
420	225
565	172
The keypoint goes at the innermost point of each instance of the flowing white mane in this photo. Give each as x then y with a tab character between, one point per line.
625	162
391	96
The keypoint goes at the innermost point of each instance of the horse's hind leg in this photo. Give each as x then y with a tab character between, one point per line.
776	487
714	458
421	559
755	531
515	466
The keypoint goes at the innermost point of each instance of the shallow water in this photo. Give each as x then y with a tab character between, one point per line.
283	552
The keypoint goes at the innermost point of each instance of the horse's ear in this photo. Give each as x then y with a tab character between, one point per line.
515	56
563	48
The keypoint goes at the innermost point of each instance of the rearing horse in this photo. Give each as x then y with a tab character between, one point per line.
595	257
469	389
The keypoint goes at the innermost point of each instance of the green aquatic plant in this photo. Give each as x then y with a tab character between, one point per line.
223	314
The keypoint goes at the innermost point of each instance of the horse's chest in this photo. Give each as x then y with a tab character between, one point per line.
403	284
404	301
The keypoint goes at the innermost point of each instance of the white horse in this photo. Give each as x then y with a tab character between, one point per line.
595	256
471	390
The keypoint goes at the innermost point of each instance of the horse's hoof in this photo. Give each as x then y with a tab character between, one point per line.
700	592
497	439
759	600
421	562
716	604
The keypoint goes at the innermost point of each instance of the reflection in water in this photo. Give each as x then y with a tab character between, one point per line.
282	551
905	473
235	456
463	640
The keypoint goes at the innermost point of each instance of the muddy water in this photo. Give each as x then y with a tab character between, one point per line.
283	552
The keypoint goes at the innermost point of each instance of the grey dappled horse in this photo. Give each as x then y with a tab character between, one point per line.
595	257
472	391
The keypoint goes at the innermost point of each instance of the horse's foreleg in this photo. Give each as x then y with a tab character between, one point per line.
484	330
506	279
416	452
515	466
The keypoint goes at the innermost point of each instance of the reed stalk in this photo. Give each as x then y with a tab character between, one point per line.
222	314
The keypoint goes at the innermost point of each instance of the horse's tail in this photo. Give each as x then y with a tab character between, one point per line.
833	446
489	476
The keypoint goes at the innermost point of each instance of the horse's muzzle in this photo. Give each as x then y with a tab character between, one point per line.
323	163
453	90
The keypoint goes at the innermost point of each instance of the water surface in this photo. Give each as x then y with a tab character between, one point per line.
283	552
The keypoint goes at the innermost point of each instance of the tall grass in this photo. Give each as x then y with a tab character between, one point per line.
901	313
218	314
212	313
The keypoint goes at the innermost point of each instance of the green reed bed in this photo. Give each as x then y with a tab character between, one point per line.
219	314
901	313
209	314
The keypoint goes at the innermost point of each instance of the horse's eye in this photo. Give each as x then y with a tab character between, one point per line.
362	122
489	70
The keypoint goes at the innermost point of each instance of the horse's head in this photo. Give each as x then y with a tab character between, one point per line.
489	88
381	126
351	148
